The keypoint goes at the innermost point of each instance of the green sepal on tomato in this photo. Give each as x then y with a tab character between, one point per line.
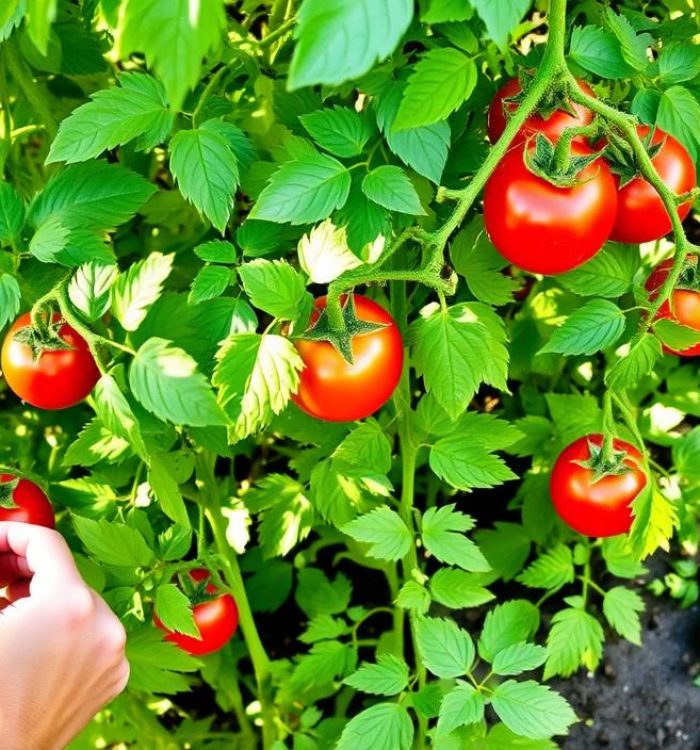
337	390
683	305
215	615
53	369
551	123
592	494
543	227
22	501
641	214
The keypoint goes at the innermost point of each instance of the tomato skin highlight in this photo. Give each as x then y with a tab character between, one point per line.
32	504
552	127
546	229
335	390
217	621
599	508
57	379
641	214
684	307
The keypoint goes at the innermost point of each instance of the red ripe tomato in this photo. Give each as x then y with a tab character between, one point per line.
331	388
57	378
596	506
552	127
543	228
216	619
641	214
684	307
32	504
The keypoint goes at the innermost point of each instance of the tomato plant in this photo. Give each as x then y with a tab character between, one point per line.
373	424
215	618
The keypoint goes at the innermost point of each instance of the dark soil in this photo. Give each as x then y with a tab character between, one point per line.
642	698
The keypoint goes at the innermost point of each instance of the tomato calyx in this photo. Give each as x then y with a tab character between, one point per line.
44	337
197	591
341	338
7	491
557	165
621	157
604	463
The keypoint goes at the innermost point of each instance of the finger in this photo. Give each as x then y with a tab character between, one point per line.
12	567
45	552
18	590
4	603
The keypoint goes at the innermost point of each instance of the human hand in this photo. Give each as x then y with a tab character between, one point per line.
61	647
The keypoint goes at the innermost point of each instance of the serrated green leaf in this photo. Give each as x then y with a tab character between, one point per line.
340	130
10	296
174	610
598	51
506	624
384	530
621	607
575	640
590	329
89	289
462	705
389	187
445	649
386	726
442	81
209	283
518	658
639	362
442	530
113	543
275	287
532	710
466	465
501	16
134	292
11	213
389	676
552	570
675	335
655	517
456	589
608	274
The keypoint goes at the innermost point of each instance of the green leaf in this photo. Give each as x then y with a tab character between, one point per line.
10	296
501	16
304	191
116	414
255	376
323	628
675	335
206	171
11	213
340	130
621	607
323	665
441	81
626	373
608	274
390	187
442	530
655	517
507	624
40	15
463	705
532	710
341	42
164	378
134	292
136	108
174	610
632	46
442	11
55	242
217	251
590	329
385	726
167	492
209	283
598	51
113	543
678	63
155	663
423	149
458	349
11	15
506	547
174	35
467	465
95	443
414	597
518	658
287	514
552	570
686	455
366	449
385	532
275	287
477	260
389	676
457	590
93	195
678	114
89	289
316	595
575	639
445	649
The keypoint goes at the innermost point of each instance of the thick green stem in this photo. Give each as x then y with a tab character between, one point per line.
608	428
232	573
22	75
